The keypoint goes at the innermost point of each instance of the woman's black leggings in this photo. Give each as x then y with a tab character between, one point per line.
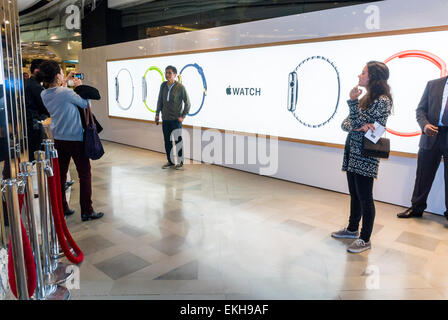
361	204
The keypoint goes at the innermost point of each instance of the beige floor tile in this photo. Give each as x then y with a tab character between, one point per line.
244	236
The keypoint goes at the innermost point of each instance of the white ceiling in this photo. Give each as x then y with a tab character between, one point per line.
25	4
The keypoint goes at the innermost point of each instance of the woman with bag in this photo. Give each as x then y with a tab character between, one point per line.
62	102
375	106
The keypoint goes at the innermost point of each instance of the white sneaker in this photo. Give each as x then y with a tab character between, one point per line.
359	246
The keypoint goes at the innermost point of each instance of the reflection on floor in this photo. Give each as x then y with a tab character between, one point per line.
209	232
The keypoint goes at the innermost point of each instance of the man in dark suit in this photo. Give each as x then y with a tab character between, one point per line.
432	116
35	109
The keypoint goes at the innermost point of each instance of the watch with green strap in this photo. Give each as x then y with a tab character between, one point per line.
145	86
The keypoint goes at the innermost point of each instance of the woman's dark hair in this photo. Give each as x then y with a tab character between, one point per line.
48	70
378	75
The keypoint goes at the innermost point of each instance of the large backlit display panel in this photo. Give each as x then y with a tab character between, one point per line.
296	91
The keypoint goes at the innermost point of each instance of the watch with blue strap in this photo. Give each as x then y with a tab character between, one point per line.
204	83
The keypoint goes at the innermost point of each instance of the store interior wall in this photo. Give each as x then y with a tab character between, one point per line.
312	165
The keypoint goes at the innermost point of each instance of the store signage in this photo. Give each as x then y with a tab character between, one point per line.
243	91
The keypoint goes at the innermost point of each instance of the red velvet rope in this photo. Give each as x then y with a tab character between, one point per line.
30	264
62	232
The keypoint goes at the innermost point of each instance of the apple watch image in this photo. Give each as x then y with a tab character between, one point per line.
117	89
293	91
437	61
204	83
145	86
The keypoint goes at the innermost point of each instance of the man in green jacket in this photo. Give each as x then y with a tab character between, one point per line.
172	95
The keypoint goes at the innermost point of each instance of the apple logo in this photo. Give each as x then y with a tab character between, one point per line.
229	91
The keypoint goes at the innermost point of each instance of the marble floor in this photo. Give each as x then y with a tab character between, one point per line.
209	232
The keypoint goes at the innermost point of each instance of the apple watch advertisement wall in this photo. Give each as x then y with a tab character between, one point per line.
245	89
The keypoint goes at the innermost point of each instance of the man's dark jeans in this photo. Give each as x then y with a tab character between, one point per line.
168	126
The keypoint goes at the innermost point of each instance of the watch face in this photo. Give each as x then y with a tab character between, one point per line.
124	98
292	91
117	89
144	89
313	72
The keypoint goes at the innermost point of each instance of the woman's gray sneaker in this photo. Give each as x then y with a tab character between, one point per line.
359	246
345	234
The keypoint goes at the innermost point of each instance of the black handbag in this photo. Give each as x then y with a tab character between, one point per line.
92	144
381	149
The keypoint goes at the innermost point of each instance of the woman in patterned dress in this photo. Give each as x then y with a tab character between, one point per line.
375	106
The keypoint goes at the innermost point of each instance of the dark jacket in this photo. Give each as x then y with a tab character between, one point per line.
88	92
428	110
35	112
171	110
34	106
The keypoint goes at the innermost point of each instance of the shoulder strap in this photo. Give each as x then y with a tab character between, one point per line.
88	115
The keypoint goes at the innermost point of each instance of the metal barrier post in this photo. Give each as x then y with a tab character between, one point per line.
12	204
59	269
53	291
26	169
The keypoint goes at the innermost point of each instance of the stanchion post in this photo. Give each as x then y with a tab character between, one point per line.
41	182
53	291
26	169
59	269
12	205
3	241
53	243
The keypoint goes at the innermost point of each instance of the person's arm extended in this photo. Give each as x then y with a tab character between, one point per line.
74	98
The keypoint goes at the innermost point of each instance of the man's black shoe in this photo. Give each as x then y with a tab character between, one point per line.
446	214
68	212
92	216
410	213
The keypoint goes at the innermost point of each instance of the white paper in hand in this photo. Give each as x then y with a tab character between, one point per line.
376	135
